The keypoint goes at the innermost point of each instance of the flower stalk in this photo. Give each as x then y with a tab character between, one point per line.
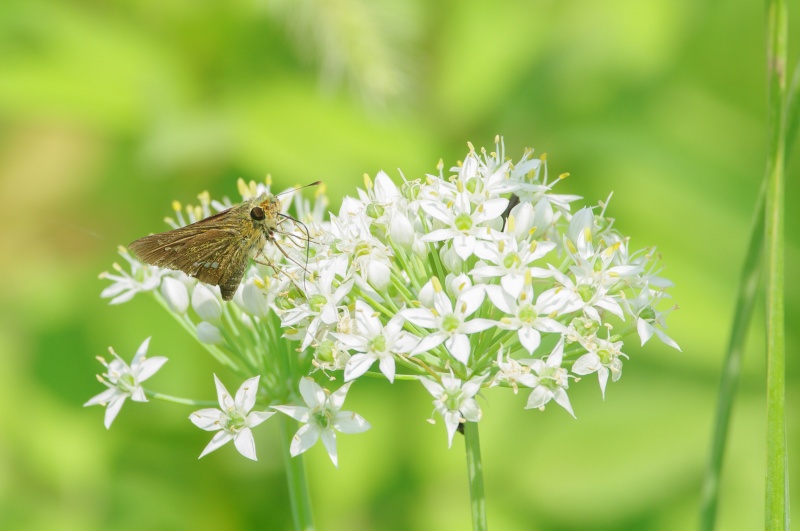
477	497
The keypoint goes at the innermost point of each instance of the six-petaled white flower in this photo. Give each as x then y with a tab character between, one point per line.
125	380
234	418
550	381
322	418
455	401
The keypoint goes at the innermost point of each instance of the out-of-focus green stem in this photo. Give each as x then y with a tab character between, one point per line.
475	474
296	478
777	506
745	300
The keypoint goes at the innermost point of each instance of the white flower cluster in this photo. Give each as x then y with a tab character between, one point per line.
479	278
483	277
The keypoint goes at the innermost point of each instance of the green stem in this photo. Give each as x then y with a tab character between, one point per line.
732	366
475	473
296	477
179	400
777	506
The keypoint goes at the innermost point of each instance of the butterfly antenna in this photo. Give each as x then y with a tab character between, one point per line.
316	183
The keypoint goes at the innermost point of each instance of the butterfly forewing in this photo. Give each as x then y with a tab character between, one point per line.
214	250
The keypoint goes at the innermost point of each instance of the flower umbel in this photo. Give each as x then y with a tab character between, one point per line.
125	380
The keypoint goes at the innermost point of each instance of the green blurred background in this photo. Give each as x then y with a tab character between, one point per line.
110	110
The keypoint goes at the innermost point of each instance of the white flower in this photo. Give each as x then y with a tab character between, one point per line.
125	381
234	419
603	357
320	306
321	418
455	401
125	285
374	342
512	261
448	321
642	309
550	382
464	225
512	372
527	316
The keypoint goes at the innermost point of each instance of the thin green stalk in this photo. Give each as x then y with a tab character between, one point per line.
777	507
296	477
745	301
475	474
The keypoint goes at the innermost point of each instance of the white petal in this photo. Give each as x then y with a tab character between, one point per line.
586	364
433	387
113	409
357	365
451	421
306	437
667	340
513	284
501	299
312	394
244	442
103	398
471	387
257	417
645	330
209	419
219	439
246	395
336	399
387	367
477	325
349	422
472	298
602	378
428	342
539	397
464	245
470	410
611	305
141	352
296	412
329	441
421	317
458	345
438	235
561	398
149	367
530	338
223	396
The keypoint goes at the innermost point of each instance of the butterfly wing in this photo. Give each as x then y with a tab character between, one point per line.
213	250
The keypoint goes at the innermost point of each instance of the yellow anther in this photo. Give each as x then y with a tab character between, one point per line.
543	157
496	139
242	187
367	182
510	223
437	286
268	180
563	176
534	245
440	165
471	147
176	206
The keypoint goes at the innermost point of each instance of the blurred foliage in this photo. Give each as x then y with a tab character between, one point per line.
109	110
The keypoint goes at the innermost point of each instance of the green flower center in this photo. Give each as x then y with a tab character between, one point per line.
511	260
378	344
362	249
374	211
605	356
322	418
585	327
647	314
452	399
317	302
586	292
463	222
527	314
324	351
450	323
472	185
234	422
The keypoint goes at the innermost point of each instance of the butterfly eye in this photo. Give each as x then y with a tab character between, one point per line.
257	213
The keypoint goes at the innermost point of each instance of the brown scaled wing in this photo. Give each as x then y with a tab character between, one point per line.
197	248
